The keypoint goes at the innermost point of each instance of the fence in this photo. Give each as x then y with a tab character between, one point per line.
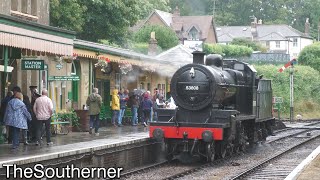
265	58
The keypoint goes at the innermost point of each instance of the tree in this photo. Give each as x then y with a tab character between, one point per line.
165	36
228	51
147	6
109	19
96	19
245	42
67	14
310	56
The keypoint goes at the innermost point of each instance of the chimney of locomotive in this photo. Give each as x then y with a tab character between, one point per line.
198	57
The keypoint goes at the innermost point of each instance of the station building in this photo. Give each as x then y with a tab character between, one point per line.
36	54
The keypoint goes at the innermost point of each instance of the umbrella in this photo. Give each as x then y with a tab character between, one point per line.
138	92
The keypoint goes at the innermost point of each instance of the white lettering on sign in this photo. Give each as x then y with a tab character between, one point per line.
192	88
32	64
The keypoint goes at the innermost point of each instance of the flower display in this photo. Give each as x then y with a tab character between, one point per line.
125	68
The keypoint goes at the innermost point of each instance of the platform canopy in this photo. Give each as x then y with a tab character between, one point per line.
22	34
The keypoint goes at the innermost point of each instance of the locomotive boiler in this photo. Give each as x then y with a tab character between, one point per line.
222	106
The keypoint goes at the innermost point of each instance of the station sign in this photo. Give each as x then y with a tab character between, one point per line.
63	78
32	64
277	100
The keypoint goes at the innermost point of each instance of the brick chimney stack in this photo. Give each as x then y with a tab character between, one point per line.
307	27
176	12
254	31
153	45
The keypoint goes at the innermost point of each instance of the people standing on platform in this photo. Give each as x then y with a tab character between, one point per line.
3	108
155	106
134	104
43	109
140	112
17	117
32	126
123	105
4	104
115	106
146	108
94	101
27	103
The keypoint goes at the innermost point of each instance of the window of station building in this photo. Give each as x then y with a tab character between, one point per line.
14	5
43	78
34	7
163	89
141	85
24	6
149	87
295	42
277	44
73	69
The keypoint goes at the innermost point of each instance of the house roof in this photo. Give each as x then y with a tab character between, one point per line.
202	22
177	56
265	32
82	44
165	16
177	23
274	36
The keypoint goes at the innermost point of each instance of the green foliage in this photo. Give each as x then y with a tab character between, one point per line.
70	116
67	14
227	50
165	36
96	19
306	87
245	42
147	6
310	55
240	12
140	47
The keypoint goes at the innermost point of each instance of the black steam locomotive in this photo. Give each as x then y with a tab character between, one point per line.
222	106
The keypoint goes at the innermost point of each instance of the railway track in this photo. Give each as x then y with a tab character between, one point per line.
191	170
145	168
278	170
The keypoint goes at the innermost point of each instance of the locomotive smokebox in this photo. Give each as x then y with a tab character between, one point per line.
198	57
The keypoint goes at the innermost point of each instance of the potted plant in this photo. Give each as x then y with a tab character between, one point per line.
72	117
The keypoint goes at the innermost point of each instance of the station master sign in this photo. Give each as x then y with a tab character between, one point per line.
32	64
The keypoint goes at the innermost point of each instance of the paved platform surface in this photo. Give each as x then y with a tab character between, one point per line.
73	143
309	168
312	171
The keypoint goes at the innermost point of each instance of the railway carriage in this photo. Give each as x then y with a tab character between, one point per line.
222	106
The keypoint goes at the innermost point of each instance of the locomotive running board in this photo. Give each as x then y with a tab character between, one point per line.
207	125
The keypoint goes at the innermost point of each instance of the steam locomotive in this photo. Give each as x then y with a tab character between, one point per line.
222	106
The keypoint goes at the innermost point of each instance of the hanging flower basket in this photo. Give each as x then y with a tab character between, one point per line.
125	68
68	59
104	65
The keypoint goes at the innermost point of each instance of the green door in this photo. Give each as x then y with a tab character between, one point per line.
104	91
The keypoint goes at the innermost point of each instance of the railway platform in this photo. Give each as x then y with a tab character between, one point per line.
308	169
81	143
